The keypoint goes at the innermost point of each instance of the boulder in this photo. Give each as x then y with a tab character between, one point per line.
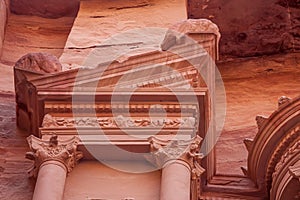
252	28
46	9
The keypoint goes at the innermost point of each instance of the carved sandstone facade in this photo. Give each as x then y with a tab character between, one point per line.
273	161
52	108
46	108
53	159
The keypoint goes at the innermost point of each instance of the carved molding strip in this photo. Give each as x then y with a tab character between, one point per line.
181	79
107	108
64	152
118	122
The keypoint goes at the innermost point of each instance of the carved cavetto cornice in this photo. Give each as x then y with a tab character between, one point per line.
64	152
118	122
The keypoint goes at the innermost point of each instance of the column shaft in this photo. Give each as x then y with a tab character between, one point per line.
176	181
50	181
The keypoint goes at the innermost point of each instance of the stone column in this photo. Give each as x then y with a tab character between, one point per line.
181	170
53	160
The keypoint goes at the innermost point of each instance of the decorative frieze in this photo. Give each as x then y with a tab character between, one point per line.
118	122
64	152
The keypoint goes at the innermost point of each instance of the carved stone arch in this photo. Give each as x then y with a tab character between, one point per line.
286	178
275	136
285	146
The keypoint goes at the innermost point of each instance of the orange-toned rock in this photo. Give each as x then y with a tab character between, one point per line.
3	20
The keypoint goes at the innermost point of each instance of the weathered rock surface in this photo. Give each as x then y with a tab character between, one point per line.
251	28
39	62
3	20
95	24
25	34
47	9
253	87
14	180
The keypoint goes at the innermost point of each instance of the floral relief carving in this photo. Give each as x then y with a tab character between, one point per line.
119	121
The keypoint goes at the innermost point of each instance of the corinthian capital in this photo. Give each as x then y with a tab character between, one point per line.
187	151
64	152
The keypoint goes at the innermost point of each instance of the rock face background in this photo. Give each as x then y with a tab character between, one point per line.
251	28
47	9
3	20
248	28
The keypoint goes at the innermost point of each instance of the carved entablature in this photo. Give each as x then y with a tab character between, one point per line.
155	70
64	152
275	149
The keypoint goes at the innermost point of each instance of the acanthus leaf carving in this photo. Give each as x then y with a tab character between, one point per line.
188	151
61	151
